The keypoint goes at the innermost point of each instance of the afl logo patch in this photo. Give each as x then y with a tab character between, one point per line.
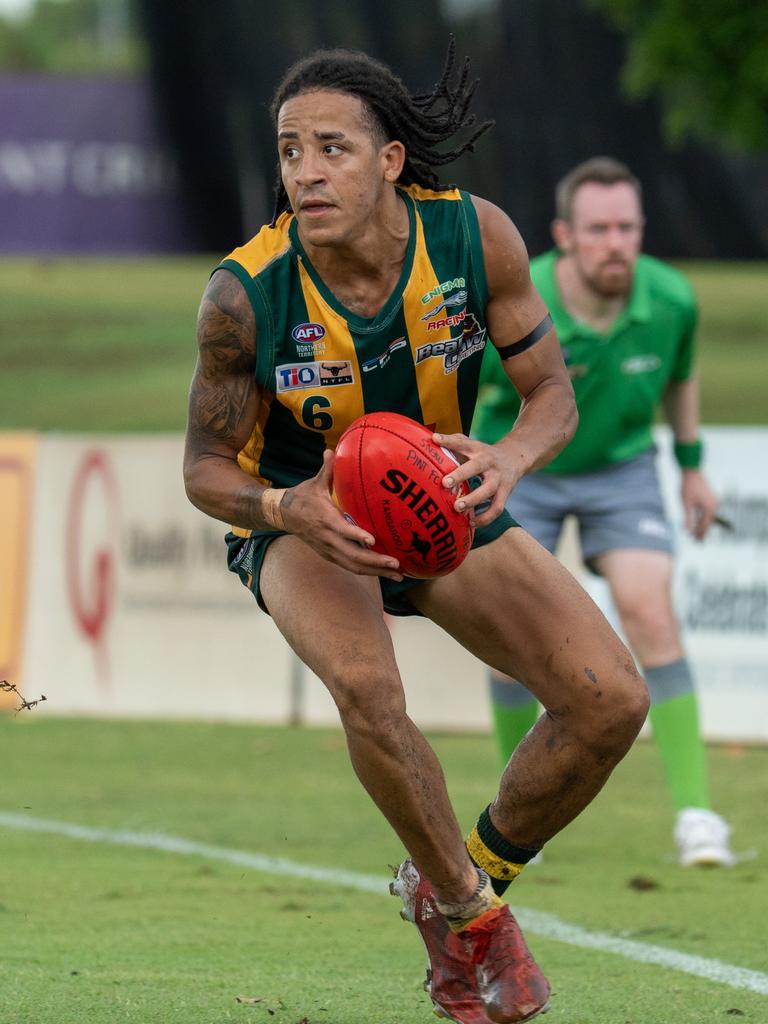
308	332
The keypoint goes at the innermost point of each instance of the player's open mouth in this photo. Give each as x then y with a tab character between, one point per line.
315	209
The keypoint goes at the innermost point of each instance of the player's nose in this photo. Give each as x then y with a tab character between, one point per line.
310	171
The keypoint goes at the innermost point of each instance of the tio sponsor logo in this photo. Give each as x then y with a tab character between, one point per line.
302	376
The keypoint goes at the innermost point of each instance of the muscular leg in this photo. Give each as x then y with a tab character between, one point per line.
537	502
517	609
641	588
334	621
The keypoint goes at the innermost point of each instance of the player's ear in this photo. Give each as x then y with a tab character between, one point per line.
392	156
561	233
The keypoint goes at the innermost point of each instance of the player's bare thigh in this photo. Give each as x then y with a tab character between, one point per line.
514	606
333	619
640	580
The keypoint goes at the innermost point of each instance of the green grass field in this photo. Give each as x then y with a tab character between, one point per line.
98	932
107	929
103	345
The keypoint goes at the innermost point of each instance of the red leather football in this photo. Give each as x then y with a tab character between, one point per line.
388	479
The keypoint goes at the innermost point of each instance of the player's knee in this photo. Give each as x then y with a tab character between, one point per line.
367	700
618	713
649	623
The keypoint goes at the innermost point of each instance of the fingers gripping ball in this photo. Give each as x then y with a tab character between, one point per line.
388	479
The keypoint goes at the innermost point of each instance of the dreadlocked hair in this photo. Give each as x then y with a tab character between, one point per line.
421	122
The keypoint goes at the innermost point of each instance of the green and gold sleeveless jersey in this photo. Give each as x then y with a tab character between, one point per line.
319	366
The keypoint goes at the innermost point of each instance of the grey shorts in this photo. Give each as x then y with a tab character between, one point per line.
616	507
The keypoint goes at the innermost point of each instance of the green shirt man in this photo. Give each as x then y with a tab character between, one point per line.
626	325
619	376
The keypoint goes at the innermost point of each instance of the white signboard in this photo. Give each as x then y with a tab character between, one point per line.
721	584
131	609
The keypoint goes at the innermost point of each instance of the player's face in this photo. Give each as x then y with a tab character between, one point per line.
604	236
332	168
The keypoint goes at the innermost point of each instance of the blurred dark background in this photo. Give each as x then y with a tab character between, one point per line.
563	79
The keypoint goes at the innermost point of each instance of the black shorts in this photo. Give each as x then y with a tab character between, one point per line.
245	556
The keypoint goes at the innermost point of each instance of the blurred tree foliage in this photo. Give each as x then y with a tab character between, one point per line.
706	62
73	36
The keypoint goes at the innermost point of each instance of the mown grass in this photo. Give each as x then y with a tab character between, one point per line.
106	934
109	344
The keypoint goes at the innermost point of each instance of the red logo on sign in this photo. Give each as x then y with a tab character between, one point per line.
91	584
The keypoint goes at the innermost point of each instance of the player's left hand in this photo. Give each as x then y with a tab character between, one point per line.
699	503
488	461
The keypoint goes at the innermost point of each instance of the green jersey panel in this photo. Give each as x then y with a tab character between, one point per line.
618	378
320	366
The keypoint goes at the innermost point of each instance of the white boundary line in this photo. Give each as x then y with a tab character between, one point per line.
536	922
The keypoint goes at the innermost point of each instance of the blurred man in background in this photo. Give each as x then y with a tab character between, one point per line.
626	324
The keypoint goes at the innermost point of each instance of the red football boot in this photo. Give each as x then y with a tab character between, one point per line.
451	974
510	984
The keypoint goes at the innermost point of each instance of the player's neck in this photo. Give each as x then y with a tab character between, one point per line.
363	270
581	300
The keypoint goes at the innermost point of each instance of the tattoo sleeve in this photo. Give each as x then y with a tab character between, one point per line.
223	386
223	406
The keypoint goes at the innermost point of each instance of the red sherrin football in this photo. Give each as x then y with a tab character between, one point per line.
388	479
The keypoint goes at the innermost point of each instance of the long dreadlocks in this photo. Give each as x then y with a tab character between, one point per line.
420	122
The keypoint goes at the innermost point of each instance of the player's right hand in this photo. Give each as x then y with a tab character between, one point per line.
309	511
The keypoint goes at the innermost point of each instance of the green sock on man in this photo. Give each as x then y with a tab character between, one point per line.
701	835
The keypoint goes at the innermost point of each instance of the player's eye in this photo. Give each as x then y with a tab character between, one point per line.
290	152
332	149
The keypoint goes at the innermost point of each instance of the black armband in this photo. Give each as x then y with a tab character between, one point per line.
530	339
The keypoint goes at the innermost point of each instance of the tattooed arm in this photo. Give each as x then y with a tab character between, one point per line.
223	406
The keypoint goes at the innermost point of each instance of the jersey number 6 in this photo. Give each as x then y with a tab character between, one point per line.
312	418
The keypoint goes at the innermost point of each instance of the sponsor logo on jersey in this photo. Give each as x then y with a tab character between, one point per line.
381	360
453	320
454	351
442	288
315	348
641	364
458	299
308	333
309	340
302	376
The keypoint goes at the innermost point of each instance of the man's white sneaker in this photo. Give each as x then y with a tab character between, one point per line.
702	839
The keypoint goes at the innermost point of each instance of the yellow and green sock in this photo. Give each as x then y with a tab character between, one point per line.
495	854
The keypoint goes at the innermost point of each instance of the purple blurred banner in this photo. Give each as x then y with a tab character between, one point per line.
83	168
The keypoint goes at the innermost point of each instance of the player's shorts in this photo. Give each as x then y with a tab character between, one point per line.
617	507
245	556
